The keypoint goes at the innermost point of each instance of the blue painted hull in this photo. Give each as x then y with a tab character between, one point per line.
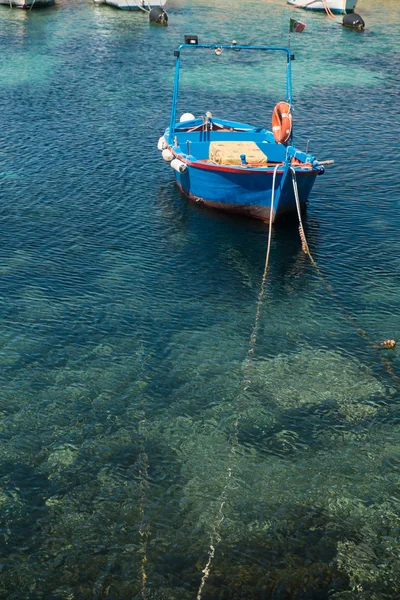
238	168
247	193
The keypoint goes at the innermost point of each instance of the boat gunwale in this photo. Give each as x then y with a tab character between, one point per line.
266	170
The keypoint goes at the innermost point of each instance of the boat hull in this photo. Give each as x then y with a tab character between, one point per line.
27	3
336	6
246	193
137	5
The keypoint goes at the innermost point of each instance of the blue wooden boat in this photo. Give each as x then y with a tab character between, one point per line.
238	167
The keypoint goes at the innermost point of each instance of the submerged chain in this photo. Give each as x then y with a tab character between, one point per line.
144	528
144	486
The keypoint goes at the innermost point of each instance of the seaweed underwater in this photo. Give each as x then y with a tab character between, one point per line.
123	354
111	479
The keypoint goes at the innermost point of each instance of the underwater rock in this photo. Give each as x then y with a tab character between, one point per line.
103	350
4	499
8	358
313	377
360	564
19	260
62	458
240	266
355	412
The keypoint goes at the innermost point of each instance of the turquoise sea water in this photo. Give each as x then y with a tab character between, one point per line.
145	454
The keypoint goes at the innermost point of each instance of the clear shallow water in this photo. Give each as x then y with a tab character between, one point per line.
134	431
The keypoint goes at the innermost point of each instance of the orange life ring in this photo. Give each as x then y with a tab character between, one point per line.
282	122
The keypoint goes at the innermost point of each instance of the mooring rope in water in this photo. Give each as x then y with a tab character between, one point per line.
144	529
325	5
264	277
328	10
386	364
215	535
144	486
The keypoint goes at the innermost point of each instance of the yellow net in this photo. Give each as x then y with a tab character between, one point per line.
228	153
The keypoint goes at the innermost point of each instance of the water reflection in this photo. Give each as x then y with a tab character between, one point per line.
289	264
128	313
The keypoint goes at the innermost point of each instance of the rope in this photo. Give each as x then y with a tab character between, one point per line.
328	10
142	6
215	535
325	4
385	363
144	486
144	530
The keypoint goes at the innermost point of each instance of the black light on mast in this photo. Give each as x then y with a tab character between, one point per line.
191	39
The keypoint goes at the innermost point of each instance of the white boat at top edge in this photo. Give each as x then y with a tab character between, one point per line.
134	4
336	6
27	3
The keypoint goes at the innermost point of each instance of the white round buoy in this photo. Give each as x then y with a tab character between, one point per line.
162	143
167	155
186	117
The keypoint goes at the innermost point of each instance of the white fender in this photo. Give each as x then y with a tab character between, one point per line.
186	117
178	165
167	155
162	144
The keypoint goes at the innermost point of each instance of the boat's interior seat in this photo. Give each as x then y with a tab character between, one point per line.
262	151
236	153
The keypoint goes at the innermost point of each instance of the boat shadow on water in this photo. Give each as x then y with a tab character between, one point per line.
289	266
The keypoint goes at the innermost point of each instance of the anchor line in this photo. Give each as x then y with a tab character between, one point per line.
144	529
143	464
385	363
144	486
325	5
215	537
328	10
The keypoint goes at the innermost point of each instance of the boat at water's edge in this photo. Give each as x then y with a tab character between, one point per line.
335	6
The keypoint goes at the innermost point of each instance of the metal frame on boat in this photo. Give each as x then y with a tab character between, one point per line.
238	167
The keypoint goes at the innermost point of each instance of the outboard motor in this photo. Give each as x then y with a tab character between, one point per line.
353	21
158	15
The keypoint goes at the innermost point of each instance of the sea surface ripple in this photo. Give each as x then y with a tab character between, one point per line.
140	438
